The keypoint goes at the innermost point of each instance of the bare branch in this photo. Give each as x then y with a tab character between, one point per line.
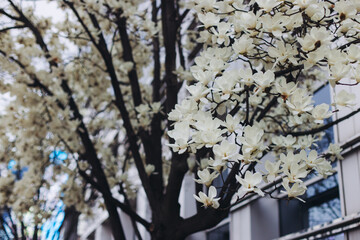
326	126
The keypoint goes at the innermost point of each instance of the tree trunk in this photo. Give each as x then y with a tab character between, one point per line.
167	233
115	222
178	228
68	229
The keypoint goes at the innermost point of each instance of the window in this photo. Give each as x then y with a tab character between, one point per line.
322	197
322	95
322	205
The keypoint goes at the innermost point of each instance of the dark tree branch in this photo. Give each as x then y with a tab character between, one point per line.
23	235
151	150
169	27
120	104
229	179
156	132
348	44
288	70
178	169
2	11
127	203
36	230
91	155
266	109
128	57
13	27
182	16
125	208
324	127
204	219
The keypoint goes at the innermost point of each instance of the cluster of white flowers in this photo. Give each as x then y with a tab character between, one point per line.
250	95
250	88
38	118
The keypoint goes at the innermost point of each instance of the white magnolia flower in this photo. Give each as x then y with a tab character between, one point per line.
226	84
284	88
338	72
252	139
267	5
207	5
218	165
246	76
246	21
206	177
324	168
290	158
204	76
343	98
210	200
226	150
273	170
295	172
243	45
209	19
320	112
282	53
356	73
299	102
353	53
316	38
345	10
249	183
303	4
247	158
180	134
274	24
312	160
335	150
264	80
198	92
296	190
231	123
222	33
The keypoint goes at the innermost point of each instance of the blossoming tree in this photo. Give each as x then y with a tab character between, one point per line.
113	102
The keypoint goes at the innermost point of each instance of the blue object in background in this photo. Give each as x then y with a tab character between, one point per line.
17	172
51	228
58	157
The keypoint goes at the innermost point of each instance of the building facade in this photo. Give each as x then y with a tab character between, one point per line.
331	210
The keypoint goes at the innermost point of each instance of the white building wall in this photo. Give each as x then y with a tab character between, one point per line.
240	224
188	204
349	168
103	232
264	219
143	209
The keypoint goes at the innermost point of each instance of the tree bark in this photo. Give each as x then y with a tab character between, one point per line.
68	229
181	228
115	222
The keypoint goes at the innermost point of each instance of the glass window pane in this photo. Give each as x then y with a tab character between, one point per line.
322	205
324	212
323	96
322	186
